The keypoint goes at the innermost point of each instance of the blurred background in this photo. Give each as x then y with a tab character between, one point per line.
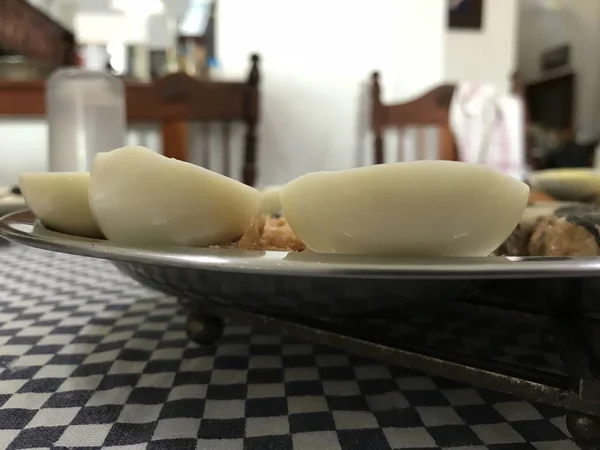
316	59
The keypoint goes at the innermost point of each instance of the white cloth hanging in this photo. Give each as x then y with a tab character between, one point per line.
488	128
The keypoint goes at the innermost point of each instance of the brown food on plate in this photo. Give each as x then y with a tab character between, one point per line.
516	244
268	233
558	236
563	230
536	196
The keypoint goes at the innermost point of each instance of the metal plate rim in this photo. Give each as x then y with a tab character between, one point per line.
21	227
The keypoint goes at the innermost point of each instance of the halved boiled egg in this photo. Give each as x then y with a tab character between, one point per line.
421	208
140	197
60	201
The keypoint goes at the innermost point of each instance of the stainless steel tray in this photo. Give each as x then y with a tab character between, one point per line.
22	227
301	284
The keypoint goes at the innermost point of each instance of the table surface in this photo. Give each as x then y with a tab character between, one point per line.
91	359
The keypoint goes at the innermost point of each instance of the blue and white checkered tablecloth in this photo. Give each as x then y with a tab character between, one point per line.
91	359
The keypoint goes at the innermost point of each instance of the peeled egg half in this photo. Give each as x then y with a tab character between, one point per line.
140	197
421	208
60	201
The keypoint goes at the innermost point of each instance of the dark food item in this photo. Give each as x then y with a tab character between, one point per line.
564	230
516	244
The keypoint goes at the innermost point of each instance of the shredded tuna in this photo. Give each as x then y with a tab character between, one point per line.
267	233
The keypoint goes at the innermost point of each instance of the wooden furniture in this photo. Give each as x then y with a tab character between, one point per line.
173	100
177	99
430	109
550	104
551	101
24	30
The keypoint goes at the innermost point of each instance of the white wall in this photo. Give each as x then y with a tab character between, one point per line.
316	57
91	28
487	55
577	23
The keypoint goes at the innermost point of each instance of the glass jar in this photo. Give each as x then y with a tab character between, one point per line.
86	115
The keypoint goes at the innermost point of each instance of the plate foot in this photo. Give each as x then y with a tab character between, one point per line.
584	429
204	329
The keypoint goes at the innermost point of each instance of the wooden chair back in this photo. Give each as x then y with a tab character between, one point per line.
428	110
177	100
431	109
173	101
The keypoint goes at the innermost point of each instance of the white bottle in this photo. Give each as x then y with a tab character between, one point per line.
86	115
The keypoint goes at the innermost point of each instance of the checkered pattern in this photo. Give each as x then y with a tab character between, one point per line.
90	359
465	335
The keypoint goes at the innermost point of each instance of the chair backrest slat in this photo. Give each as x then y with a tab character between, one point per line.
428	110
